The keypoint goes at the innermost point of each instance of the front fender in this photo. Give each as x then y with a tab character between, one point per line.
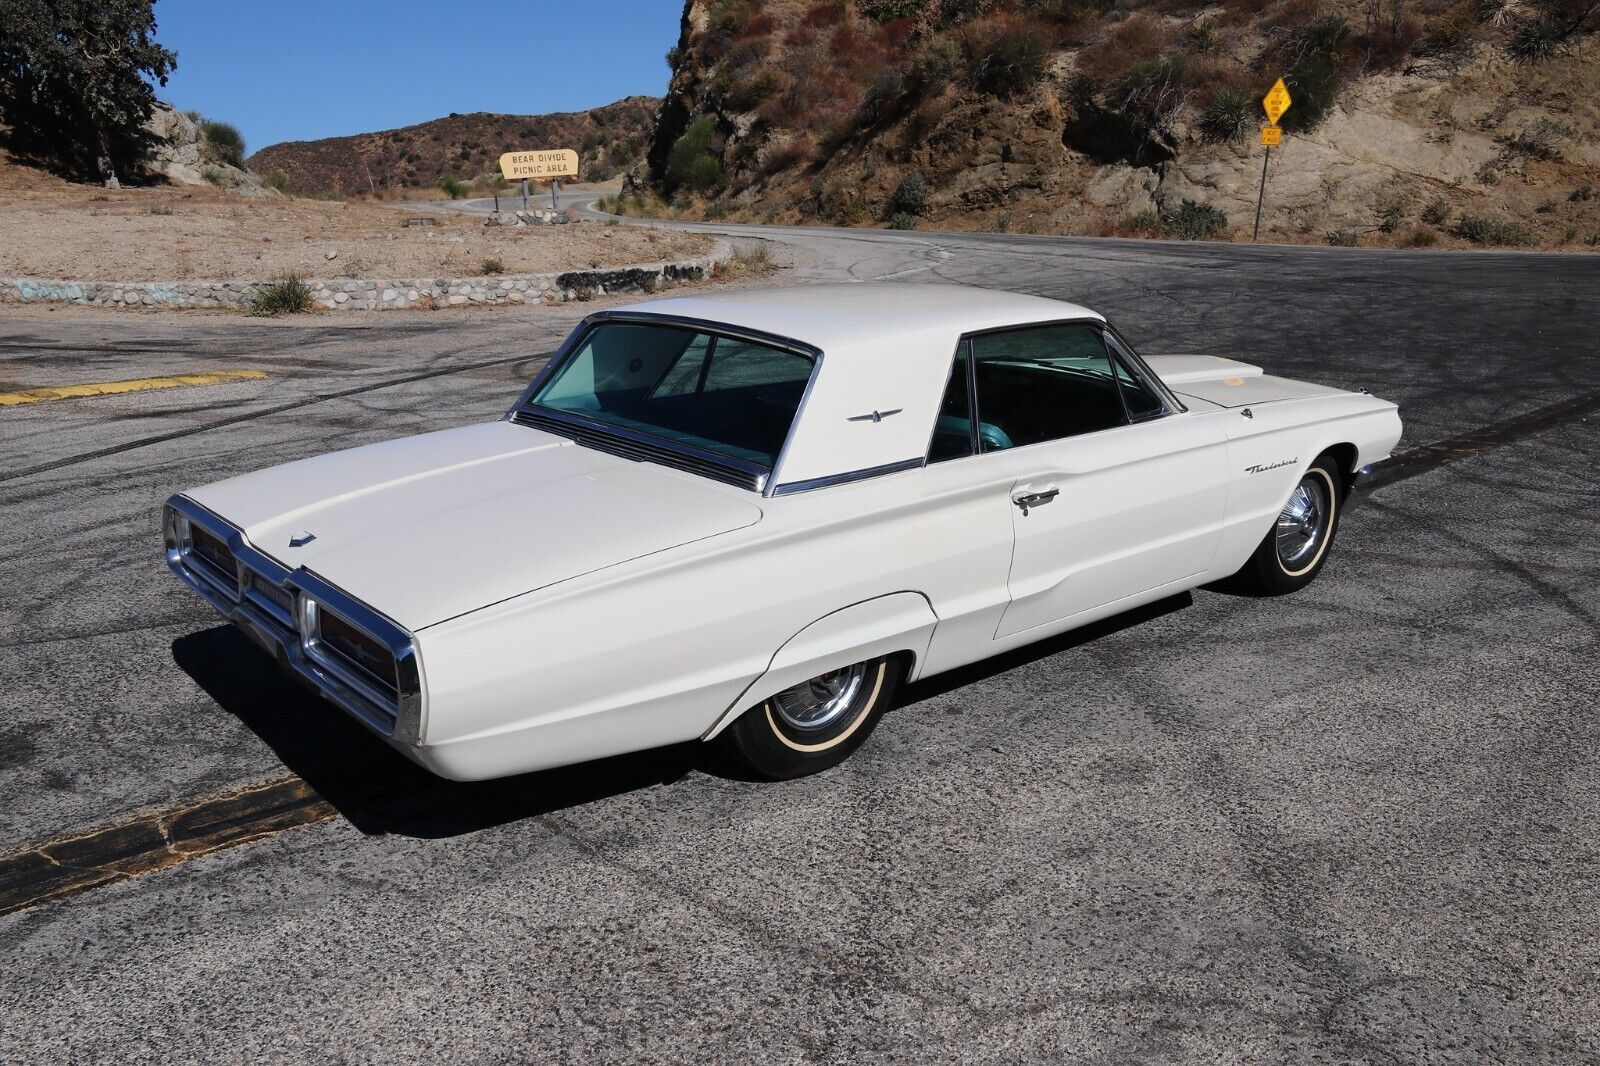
886	625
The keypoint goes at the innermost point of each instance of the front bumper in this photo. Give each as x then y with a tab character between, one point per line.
277	608
1360	485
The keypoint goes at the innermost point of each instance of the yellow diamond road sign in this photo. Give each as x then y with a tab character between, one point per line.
556	163
1276	102
1271	136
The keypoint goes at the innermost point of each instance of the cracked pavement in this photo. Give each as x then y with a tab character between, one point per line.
1357	824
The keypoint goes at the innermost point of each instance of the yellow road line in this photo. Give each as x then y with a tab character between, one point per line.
111	388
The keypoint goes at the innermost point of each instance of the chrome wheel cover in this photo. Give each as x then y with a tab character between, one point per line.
1303	522
821	702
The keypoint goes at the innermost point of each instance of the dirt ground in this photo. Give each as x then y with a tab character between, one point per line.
55	229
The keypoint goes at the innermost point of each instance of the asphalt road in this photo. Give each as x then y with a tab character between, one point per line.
1357	824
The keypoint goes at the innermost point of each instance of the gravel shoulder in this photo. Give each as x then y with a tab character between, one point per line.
79	232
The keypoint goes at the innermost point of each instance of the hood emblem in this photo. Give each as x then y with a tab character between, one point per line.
300	540
874	416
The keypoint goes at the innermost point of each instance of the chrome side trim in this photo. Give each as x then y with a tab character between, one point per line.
854	475
396	715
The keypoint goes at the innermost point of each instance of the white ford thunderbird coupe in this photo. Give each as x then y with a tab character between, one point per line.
745	518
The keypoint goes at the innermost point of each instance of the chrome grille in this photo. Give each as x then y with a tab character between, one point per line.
276	600
358	658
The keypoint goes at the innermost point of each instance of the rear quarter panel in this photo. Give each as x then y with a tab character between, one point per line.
654	651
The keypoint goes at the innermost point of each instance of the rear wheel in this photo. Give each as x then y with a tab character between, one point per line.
815	724
1294	550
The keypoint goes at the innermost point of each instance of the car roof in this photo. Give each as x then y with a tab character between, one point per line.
840	317
886	356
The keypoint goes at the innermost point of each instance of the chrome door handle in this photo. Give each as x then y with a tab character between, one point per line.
1034	499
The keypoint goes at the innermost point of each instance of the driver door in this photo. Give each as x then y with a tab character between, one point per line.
1112	491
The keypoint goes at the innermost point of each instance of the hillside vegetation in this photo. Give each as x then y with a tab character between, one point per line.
1421	122
460	148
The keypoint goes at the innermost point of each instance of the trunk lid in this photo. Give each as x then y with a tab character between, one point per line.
427	528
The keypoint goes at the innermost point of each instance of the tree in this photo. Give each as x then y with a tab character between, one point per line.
77	80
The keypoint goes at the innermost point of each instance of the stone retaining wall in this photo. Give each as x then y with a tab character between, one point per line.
374	295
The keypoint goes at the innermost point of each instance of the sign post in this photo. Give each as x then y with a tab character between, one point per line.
1275	103
524	194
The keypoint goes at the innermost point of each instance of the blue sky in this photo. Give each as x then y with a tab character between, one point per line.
294	70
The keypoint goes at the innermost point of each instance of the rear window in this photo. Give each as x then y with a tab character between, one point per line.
721	394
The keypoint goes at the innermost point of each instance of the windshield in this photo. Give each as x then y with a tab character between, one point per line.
721	394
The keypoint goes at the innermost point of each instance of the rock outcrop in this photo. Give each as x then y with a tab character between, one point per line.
792	111
179	156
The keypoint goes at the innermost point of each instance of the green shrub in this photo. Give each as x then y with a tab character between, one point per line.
1227	116
691	162
274	180
1582	194
1322	37
1437	213
491	266
1313	83
1535	37
1540	139
1480	230
884	95
288	295
938	62
1343	238
215	175
910	195
901	220
454	188
1009	57
223	142
1204	36
1390	217
1194	221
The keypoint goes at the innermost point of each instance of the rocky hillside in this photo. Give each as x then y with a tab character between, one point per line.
608	140
1415	122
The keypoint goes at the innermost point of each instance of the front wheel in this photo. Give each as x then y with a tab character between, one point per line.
815	724
1294	550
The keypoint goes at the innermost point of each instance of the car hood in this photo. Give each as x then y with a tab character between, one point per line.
430	527
1228	382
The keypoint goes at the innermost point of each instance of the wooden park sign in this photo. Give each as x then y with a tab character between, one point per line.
551	163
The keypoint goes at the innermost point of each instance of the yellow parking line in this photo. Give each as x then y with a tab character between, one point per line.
111	388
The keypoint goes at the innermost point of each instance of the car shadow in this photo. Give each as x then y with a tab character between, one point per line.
962	676
379	791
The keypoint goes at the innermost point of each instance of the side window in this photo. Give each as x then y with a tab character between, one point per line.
740	365
952	433
683	376
1044	383
1141	401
